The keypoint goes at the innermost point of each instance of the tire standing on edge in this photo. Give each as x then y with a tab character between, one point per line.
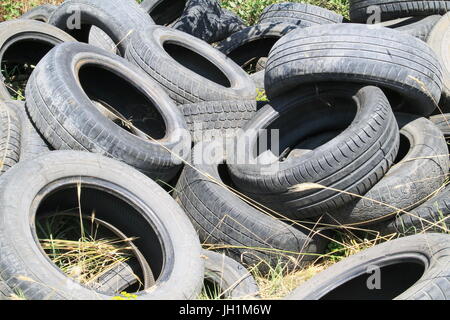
108	106
117	194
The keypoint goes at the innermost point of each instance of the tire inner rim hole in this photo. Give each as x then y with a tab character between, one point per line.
18	61
304	127
113	250
196	63
166	12
405	146
388	282
118	100
248	54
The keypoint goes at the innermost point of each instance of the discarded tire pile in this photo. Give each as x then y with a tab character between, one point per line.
139	124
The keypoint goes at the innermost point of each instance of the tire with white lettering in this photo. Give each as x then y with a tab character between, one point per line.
119	195
406	68
231	278
410	268
301	14
107	106
188	69
420	169
117	18
362	10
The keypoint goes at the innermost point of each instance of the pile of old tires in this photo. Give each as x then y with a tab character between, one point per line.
147	115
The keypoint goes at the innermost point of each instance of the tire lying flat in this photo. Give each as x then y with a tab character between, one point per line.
361	149
189	69
411	268
120	196
362	10
413	180
387	58
222	218
109	112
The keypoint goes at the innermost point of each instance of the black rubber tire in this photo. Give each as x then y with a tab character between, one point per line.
117	18
61	105
365	146
231	23
98	38
217	119
360	10
40	13
301	14
411	268
32	144
164	12
414	179
432	216
37	37
358	53
222	218
170	248
233	280
419	27
10	134
207	74
249	45
438	41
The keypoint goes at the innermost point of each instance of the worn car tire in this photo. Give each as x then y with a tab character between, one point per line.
432	216
189	69
40	13
107	106
119	195
301	14
421	169
246	47
10	133
362	10
438	41
442	121
362	147
217	119
411	268
32	144
233	280
25	41
399	63
119	19
419	27
222	218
